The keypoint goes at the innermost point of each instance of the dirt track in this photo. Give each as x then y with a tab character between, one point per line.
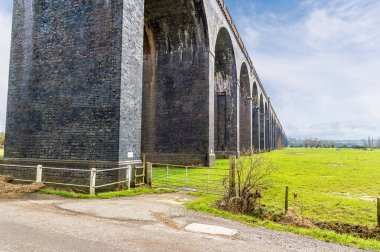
143	223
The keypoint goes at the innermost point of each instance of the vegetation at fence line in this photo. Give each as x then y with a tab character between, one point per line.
105	195
252	179
209	204
2	137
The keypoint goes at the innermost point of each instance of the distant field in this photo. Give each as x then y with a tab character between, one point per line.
332	185
1	152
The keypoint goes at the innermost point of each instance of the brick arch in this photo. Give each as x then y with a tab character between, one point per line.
245	109
175	80
267	130
225	106
262	123
255	118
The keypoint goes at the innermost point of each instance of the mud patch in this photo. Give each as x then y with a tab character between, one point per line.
161	218
354	230
293	219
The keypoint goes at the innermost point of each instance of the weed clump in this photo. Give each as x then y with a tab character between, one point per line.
252	178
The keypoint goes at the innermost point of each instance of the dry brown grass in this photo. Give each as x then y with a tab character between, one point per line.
9	190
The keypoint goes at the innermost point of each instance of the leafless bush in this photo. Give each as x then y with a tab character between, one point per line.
252	177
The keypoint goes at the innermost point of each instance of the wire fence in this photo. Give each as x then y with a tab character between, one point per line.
91	179
186	178
191	178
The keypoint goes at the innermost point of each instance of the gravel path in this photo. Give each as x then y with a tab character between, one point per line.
143	223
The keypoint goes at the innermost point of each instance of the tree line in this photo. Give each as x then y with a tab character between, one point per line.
369	143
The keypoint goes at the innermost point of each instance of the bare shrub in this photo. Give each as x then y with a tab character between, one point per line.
252	177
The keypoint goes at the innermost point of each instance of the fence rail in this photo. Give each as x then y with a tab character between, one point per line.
92	175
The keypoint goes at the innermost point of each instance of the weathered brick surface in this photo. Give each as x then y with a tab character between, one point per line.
71	81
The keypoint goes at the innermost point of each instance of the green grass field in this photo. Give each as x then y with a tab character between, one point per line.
1	152
332	185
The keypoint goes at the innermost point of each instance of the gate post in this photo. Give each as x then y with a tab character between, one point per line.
148	173
93	181
232	181
39	174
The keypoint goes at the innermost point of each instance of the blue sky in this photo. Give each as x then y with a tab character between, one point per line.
318	59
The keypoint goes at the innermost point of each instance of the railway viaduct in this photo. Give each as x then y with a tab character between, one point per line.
101	82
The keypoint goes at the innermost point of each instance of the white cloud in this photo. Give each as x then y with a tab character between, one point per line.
5	41
321	68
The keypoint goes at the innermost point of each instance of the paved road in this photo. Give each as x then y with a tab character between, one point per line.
143	223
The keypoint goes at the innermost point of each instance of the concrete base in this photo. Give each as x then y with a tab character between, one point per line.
210	229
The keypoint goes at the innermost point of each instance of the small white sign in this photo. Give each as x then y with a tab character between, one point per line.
130	154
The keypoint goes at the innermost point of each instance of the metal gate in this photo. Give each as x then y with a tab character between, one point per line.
191	178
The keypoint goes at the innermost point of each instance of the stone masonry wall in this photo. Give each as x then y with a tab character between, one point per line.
70	84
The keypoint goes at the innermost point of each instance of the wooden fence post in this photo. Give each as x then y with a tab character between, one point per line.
148	173
286	199
232	181
143	158
129	176
93	181
378	213
39	174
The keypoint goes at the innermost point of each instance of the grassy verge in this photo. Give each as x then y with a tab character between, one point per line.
105	195
206	204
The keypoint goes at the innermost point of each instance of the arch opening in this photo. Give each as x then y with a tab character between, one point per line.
255	119
267	131
175	86
225	106
245	109
262	123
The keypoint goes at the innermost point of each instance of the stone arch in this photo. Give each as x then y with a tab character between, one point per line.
255	118
225	110
262	123
245	109
175	87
